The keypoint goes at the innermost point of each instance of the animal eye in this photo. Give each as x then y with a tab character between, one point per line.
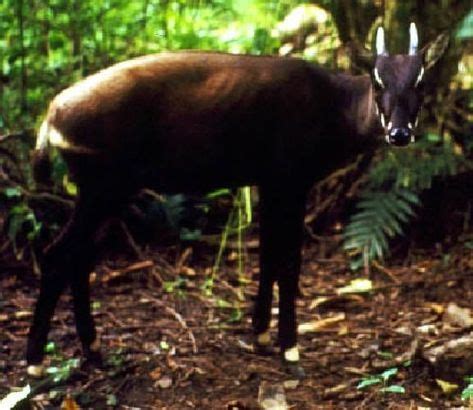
378	78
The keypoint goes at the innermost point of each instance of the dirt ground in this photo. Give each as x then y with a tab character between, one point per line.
175	347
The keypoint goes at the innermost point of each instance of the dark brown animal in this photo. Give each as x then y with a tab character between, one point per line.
195	121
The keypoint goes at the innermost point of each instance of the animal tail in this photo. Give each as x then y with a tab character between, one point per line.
41	160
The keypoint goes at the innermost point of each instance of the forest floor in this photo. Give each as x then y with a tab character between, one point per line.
173	347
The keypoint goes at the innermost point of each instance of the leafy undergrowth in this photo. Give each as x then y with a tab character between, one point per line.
149	336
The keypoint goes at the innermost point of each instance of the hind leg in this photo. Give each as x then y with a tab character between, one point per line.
63	263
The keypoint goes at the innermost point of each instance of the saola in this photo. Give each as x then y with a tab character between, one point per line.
195	121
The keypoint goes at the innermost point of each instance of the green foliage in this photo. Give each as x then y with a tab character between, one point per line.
48	45
392	194
382	379
380	217
415	167
21	221
239	220
467	393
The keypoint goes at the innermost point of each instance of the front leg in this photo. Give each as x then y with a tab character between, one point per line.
281	231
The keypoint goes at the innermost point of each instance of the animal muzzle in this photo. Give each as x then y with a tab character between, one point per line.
400	136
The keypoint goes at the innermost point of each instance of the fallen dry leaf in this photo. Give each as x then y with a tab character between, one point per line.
320	325
69	404
458	316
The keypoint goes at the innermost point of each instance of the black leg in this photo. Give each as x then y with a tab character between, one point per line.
51	288
262	310
281	228
85	326
63	263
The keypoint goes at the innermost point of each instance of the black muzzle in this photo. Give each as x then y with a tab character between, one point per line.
399	137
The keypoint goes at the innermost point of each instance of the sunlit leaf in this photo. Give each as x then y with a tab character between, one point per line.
393	389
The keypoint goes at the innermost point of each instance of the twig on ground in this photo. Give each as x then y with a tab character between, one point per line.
178	317
386	271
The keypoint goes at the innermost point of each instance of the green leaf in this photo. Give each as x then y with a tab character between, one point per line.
394	389
387	374
385	355
218	193
50	348
112	400
12	192
221	303
467	393
466	27
369	382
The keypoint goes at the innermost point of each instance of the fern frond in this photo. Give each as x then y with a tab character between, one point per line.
382	216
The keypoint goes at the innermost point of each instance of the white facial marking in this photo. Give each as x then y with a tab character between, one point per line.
416	121
383	120
413	138
390	125
419	77
410	126
377	77
387	138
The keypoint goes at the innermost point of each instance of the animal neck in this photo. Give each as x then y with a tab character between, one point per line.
356	100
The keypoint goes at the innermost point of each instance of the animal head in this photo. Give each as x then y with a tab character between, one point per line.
398	83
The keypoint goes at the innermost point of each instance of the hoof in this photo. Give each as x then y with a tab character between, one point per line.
263	345
35	370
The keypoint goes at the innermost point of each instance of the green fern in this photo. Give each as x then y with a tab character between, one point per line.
381	216
415	168
393	189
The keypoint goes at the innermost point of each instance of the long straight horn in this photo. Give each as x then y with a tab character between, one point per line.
380	43
413	39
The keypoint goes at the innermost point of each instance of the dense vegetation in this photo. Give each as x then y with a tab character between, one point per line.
48	44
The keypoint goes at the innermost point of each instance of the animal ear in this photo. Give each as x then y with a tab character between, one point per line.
434	50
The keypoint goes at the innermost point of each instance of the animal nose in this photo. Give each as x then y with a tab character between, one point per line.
399	136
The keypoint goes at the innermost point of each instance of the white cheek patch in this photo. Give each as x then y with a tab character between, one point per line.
390	125
376	108
410	126
377	77
383	120
419	77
